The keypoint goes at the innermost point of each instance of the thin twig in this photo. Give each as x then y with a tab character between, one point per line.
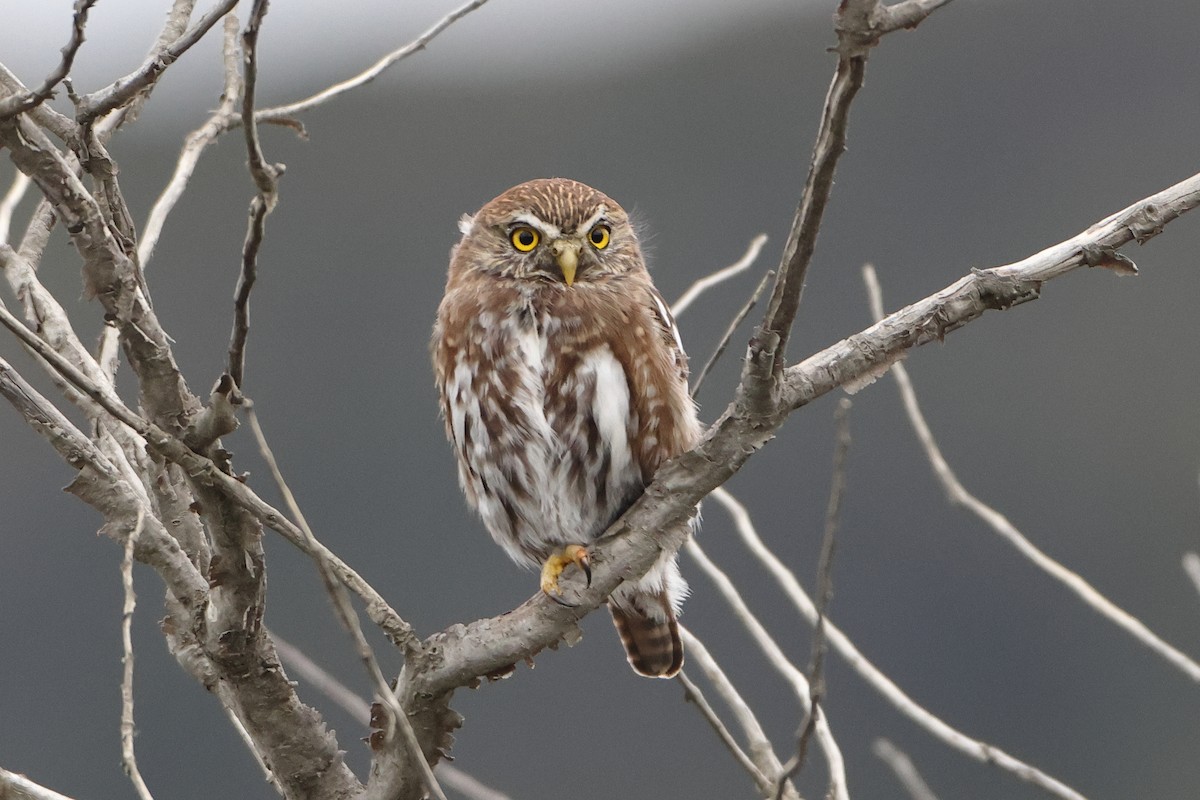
416	45
9	204
729	331
761	754
324	682
973	748
905	770
1191	565
240	727
816	673
11	106
123	90
58	124
264	174
779	661
226	119
128	759
957	494
702	285
194	144
693	695
266	178
397	719
174	27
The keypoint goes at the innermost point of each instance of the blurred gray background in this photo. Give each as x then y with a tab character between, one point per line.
996	129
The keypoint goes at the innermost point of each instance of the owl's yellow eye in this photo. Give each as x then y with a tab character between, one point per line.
524	239
599	236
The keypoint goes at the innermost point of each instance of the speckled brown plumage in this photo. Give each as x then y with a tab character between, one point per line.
563	389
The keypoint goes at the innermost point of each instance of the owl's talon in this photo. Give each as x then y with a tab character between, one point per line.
571	554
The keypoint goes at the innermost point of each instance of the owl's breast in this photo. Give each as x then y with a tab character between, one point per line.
542	423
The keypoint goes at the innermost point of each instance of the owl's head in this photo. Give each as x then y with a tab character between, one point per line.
552	230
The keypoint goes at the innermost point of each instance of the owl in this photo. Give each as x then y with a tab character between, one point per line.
563	386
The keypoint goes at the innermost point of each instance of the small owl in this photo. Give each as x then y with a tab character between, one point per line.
563	386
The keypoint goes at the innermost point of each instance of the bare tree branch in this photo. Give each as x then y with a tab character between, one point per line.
958	495
816	673
802	238
128	758
467	785
219	122
762	755
870	352
905	771
124	90
780	663
204	470
308	670
18	787
859	27
100	485
60	125
737	320
907	14
693	695
240	727
50	320
975	749
110	275
702	285
226	119
759	389
19	104
266	178
284	112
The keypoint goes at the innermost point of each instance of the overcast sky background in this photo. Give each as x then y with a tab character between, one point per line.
995	130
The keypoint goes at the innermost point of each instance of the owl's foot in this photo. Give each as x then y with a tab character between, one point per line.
575	554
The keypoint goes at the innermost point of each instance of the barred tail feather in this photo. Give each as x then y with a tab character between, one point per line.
652	642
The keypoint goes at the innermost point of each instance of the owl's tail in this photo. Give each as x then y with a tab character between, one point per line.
650	634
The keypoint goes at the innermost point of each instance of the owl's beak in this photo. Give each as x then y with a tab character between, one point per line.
566	253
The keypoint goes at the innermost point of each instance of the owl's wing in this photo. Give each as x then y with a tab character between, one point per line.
666	323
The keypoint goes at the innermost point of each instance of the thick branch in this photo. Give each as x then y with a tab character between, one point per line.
110	274
865	355
18	787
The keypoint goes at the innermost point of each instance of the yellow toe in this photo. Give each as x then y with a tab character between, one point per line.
551	570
